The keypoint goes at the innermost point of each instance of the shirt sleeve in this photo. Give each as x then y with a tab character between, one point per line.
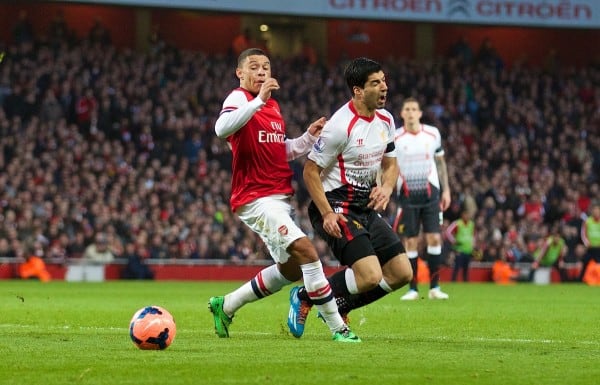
328	146
400	180
390	151
439	150
295	148
236	112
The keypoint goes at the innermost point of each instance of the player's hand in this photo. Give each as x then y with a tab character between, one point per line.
316	127
269	85
379	198
445	200
330	223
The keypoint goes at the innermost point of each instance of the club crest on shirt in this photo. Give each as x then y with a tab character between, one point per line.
283	230
319	144
383	134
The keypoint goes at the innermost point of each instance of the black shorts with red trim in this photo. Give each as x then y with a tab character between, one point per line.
365	233
413	217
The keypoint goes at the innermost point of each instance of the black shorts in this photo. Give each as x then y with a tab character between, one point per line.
365	233
430	216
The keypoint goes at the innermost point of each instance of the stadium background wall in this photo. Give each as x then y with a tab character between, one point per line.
333	39
180	270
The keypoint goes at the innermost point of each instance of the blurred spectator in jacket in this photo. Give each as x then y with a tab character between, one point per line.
551	252
99	251
23	30
502	271
136	267
34	267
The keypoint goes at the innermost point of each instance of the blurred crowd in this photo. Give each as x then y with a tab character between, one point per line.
117	143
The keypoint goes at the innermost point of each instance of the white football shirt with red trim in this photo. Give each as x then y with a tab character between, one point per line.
350	150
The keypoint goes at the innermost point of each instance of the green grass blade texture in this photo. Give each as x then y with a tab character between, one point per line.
77	333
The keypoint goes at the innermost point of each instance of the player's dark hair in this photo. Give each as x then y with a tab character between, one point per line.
410	99
358	70
249	52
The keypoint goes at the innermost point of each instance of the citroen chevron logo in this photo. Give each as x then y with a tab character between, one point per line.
459	7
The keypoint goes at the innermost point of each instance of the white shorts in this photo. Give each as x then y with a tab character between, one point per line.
271	218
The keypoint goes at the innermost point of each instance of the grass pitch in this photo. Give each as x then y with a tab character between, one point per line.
77	333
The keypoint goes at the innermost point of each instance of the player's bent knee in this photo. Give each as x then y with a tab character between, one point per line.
303	251
398	272
399	279
405	277
369	280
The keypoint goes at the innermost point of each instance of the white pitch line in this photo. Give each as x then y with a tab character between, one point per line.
94	328
64	327
439	338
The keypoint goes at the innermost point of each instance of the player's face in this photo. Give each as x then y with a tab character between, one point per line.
253	73
411	113
375	91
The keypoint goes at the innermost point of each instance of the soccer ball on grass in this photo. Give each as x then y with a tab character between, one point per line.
152	328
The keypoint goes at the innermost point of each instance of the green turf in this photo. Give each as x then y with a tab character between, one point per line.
77	333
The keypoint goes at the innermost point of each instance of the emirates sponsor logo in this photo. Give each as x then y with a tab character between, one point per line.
270	137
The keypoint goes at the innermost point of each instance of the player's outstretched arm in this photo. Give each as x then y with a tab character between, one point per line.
301	145
236	112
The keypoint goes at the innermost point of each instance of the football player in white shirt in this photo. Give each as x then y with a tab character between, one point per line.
422	199
341	174
261	188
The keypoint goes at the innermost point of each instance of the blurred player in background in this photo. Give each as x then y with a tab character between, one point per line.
461	234
261	189
551	252
341	176
590	235
421	197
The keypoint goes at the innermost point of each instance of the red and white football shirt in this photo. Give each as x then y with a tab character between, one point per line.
416	152
260	165
350	150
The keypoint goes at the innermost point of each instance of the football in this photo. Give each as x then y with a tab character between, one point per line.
152	328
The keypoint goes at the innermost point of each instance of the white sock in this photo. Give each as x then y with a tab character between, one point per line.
351	281
268	281
384	285
434	250
319	291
